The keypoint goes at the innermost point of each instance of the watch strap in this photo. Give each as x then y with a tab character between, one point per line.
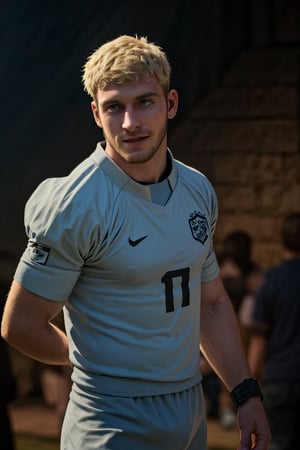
245	390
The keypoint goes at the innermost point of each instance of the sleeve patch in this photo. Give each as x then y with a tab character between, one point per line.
38	253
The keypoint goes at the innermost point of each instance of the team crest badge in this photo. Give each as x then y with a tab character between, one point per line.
38	253
199	226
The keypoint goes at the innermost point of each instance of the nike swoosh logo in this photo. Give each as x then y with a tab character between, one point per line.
137	241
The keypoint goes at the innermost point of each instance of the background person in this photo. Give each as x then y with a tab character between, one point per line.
274	353
241	276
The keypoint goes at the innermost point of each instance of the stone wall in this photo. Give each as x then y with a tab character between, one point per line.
245	137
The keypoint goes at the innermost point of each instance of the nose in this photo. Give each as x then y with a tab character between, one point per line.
131	119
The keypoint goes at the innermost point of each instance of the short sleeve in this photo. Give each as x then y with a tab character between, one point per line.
58	241
211	268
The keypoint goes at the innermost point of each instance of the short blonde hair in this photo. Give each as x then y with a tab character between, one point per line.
122	59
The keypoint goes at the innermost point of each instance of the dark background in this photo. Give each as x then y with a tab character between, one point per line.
46	123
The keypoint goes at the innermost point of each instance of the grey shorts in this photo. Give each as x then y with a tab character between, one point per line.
163	422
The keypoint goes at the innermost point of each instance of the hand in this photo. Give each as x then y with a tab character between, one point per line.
253	425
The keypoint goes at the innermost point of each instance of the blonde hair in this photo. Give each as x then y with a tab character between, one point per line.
125	58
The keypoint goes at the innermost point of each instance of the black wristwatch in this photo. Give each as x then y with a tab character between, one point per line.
245	390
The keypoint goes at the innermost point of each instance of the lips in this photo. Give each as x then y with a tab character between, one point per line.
135	139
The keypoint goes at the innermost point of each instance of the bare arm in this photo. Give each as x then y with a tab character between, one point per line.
26	326
257	355
222	346
220	336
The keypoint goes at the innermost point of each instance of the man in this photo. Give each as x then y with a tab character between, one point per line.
274	352
124	245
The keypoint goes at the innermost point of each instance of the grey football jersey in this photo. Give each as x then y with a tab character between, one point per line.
129	269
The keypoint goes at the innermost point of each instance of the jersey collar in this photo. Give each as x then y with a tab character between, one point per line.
123	180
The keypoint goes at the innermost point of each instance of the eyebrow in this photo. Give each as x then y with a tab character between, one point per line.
147	94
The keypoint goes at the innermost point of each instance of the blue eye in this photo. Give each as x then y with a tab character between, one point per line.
146	102
113	108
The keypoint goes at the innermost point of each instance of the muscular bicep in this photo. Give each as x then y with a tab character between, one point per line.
25	311
214	302
212	293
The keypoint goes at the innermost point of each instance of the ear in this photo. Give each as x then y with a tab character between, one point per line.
172	103
96	113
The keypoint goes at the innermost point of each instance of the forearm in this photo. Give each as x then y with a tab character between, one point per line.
221	342
222	346
48	344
